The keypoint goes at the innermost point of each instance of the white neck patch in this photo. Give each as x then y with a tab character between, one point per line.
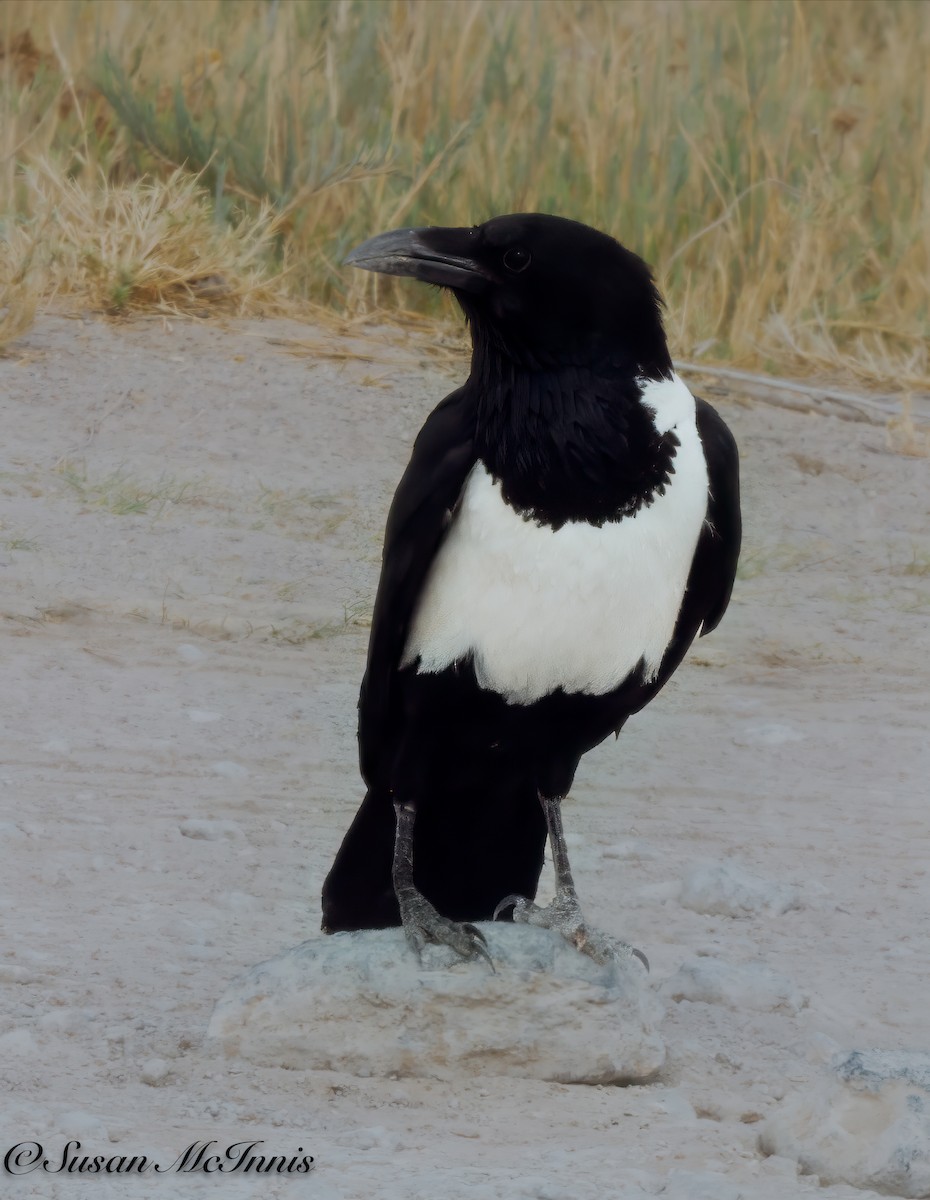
575	608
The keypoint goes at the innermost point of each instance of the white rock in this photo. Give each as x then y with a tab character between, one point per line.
155	1072
633	849
57	746
19	1042
231	770
658	893
700	1185
238	901
63	1020
79	1124
202	716
775	1164
670	1102
361	1003
741	986
209	830
866	1124
190	654
13	973
728	890
768	733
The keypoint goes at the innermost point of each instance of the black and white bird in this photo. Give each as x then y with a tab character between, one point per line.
568	523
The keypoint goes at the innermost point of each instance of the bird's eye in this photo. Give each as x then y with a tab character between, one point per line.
517	259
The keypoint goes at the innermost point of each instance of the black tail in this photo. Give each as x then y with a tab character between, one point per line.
468	854
357	892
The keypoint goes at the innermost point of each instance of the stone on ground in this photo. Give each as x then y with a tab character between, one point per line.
867	1124
361	1003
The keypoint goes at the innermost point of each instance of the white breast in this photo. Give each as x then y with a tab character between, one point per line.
577	607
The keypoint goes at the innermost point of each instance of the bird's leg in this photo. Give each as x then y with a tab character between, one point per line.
421	922
564	912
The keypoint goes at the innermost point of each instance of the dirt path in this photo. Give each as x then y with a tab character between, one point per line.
190	523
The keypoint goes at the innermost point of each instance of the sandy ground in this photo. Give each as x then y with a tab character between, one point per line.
190	522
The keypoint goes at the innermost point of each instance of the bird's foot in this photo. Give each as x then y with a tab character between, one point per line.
564	915
422	923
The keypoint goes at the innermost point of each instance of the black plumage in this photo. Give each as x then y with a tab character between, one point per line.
571	419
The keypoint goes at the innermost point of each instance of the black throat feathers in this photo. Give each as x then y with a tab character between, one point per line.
570	444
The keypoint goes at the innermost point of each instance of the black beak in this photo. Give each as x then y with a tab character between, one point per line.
433	255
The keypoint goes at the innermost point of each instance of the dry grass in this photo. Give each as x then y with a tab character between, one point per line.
769	158
153	244
21	283
905	435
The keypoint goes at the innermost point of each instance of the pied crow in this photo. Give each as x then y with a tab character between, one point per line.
568	523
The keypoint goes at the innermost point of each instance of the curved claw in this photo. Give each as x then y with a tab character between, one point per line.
642	958
480	945
465	939
422	924
564	916
476	933
508	902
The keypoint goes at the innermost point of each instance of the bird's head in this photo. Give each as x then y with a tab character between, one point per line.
537	288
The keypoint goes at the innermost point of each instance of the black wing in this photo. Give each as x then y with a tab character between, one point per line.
443	455
711	579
